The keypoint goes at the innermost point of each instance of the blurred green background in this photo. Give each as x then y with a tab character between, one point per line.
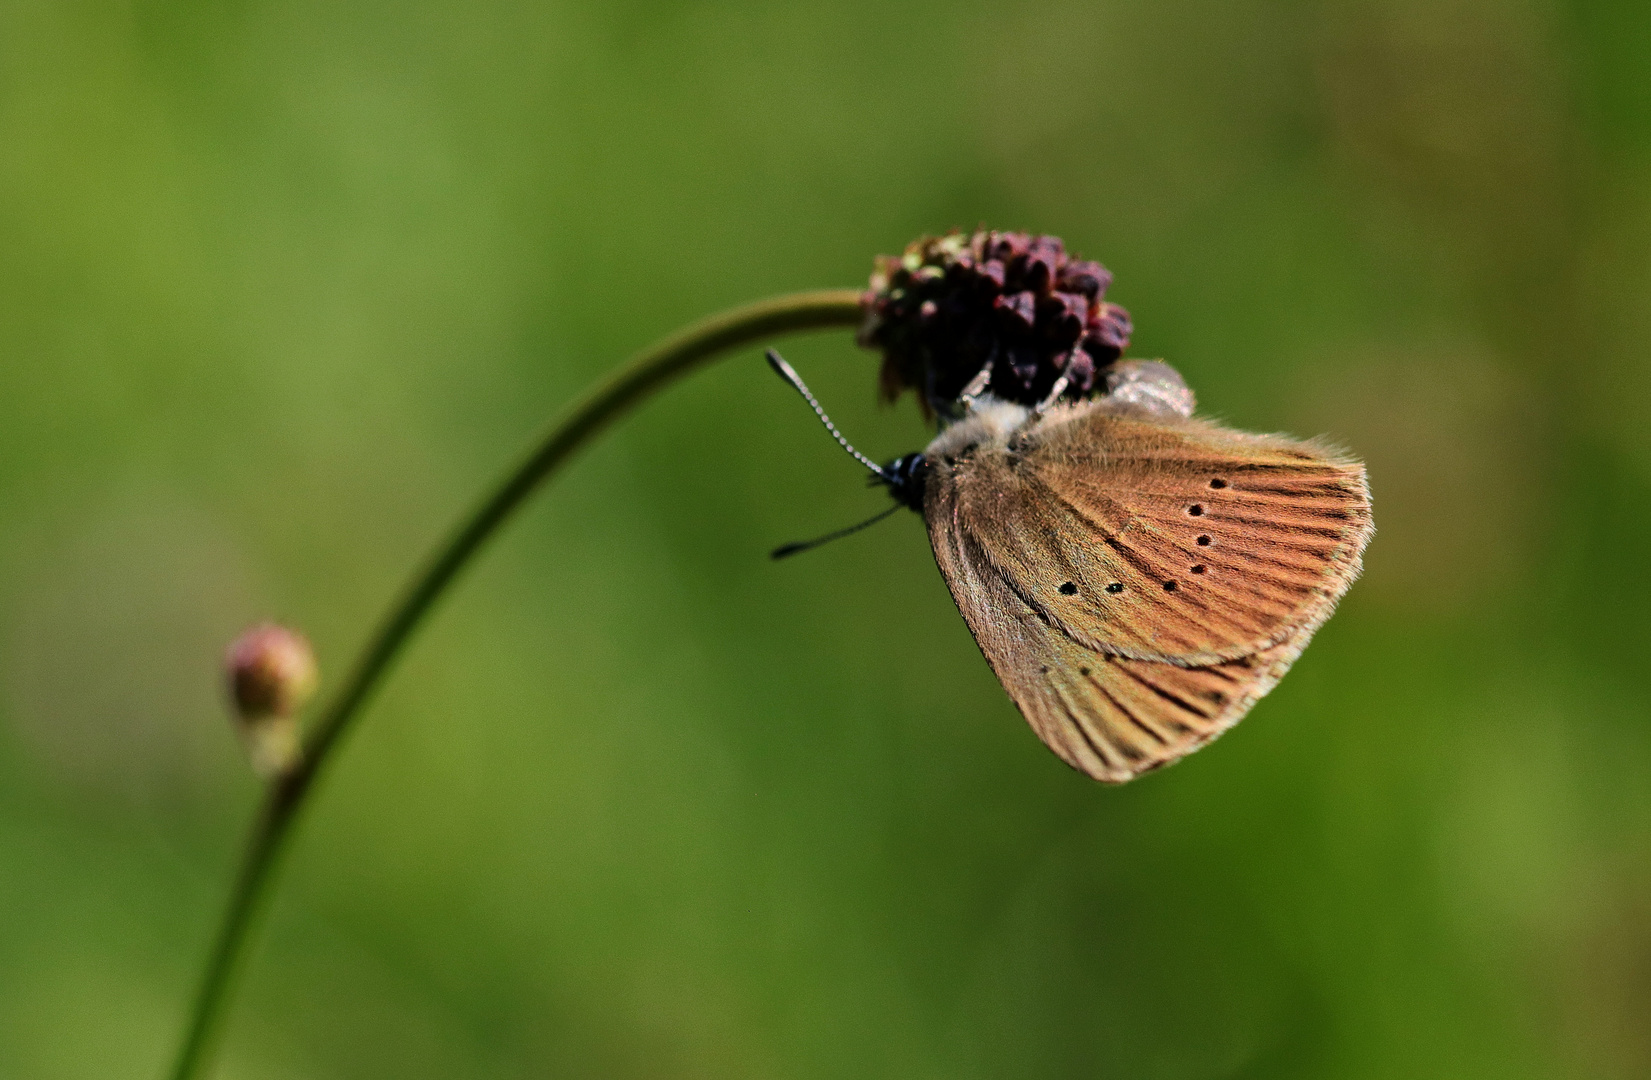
283	283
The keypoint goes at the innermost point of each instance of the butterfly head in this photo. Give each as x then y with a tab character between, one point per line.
906	478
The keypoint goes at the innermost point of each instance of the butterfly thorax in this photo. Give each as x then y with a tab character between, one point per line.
1142	388
990	421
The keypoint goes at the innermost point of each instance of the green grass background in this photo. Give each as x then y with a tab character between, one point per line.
283	283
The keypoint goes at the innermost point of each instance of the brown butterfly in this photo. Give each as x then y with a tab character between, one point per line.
1136	577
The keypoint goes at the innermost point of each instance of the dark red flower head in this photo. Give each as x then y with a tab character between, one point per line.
953	304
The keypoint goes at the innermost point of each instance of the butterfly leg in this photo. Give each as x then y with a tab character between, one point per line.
976	387
1055	393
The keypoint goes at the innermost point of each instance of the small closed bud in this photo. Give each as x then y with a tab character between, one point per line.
271	673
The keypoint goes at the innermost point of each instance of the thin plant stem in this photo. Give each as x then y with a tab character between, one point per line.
649	371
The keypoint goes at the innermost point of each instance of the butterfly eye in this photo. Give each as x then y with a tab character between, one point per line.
1203	541
1195	509
1218	483
1115	587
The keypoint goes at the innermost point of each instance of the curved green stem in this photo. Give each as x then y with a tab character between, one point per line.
648	371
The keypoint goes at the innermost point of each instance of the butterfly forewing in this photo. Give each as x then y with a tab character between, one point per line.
1179	541
1138	583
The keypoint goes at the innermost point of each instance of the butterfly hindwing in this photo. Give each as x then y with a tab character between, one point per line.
1111	717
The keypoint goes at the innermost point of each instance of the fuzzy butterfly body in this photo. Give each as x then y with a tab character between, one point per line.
1138	578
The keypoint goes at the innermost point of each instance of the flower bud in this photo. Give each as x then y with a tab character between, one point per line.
951	306
272	673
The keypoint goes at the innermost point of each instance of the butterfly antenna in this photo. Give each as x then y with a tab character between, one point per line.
803	545
786	372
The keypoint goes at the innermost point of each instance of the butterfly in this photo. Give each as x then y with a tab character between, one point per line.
1137	577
